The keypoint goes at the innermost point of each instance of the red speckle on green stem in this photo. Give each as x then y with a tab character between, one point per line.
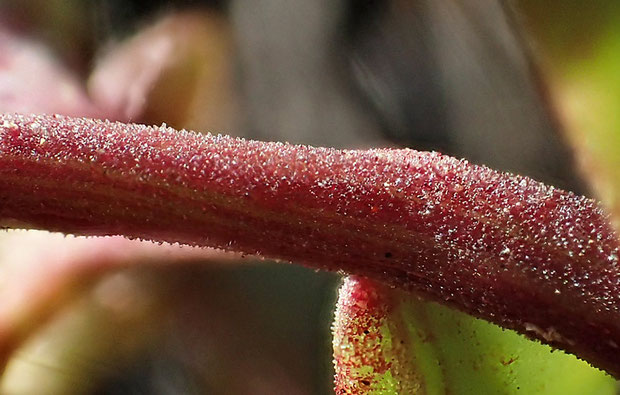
506	248
368	357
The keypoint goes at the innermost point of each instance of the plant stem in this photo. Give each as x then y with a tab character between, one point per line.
505	248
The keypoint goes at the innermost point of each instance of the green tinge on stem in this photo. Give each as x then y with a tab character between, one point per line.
387	342
504	248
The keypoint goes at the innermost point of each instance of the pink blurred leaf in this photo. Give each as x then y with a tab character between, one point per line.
177	70
42	272
31	80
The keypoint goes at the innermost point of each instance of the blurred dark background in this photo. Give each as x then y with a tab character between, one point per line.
460	77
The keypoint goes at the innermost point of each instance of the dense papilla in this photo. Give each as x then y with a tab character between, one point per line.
502	247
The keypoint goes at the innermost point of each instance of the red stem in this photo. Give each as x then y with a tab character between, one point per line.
501	247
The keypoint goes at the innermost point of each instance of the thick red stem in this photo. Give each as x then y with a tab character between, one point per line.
506	248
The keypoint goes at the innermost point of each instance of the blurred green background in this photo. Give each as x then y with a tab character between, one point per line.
532	88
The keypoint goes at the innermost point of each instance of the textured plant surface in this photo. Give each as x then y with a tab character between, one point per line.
387	342
505	248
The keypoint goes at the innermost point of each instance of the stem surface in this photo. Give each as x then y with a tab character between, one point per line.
505	248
